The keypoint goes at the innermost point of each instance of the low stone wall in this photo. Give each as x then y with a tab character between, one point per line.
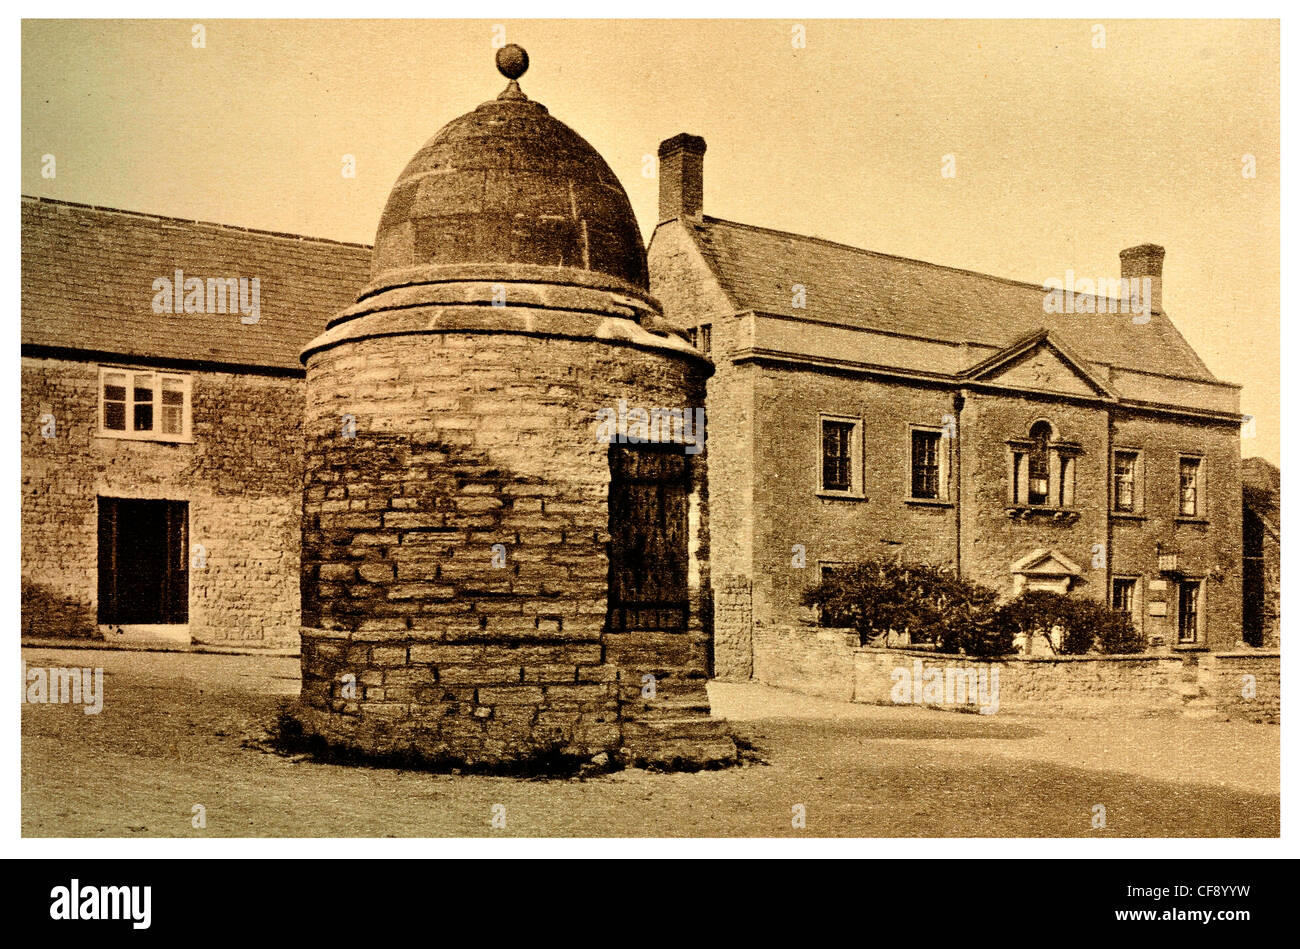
1109	685
831	664
1243	685
807	659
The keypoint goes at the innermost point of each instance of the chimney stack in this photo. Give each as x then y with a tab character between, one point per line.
681	178
1145	260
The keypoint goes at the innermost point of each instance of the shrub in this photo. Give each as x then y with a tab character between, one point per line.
931	603
983	638
1085	625
1117	635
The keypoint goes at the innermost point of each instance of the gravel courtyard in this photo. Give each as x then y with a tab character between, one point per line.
172	729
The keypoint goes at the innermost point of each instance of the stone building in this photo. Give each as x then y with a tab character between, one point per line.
232	436
1261	531
865	404
487	574
161	423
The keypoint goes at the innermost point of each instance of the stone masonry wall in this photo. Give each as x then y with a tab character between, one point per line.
829	663
733	621
465	441
1208	547
806	659
240	476
789	510
1067	685
1243	685
992	540
676	268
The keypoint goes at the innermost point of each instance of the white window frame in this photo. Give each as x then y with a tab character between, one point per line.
1139	481
154	434
1018	474
1200	514
1199	639
855	489
1135	611
943	452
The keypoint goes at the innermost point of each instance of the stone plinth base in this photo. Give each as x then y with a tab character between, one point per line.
494	704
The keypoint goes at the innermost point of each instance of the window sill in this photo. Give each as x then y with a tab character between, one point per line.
841	495
928	502
1194	521
146	437
1128	516
1067	514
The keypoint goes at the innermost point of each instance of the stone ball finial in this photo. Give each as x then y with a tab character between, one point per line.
512	61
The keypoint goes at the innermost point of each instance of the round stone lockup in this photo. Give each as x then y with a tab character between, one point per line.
505	503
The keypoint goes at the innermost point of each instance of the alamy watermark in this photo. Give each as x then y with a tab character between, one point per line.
77	901
182	294
638	426
59	685
1103	295
947	685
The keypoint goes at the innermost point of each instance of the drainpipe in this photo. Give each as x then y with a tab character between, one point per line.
958	403
1138	595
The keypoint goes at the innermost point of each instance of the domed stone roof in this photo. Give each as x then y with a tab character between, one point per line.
508	189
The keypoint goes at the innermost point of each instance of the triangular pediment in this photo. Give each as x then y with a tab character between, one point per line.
1046	563
1041	363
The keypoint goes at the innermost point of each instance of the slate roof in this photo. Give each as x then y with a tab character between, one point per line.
757	267
88	273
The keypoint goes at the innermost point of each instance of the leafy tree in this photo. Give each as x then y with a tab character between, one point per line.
1083	625
931	603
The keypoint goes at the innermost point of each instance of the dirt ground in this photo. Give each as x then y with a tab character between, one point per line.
171	734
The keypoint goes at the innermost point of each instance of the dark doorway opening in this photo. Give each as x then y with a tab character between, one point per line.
143	561
649	557
1253	586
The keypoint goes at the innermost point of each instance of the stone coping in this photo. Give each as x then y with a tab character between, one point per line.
1095	657
526	321
506	273
955	657
503	292
53	642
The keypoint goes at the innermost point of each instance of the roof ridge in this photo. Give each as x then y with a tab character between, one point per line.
911	260
182	220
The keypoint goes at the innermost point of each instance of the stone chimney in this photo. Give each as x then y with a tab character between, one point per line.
1145	260
681	177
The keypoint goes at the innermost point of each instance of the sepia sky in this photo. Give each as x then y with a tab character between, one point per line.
1065	153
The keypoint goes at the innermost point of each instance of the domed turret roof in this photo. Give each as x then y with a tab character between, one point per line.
508	188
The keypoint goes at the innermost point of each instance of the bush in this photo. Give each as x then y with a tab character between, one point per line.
956	615
983	638
931	603
1117	635
1085	625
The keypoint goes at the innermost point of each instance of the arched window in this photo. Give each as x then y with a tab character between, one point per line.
1040	467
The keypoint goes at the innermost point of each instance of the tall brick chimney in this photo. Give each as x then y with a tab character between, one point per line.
1145	260
681	177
